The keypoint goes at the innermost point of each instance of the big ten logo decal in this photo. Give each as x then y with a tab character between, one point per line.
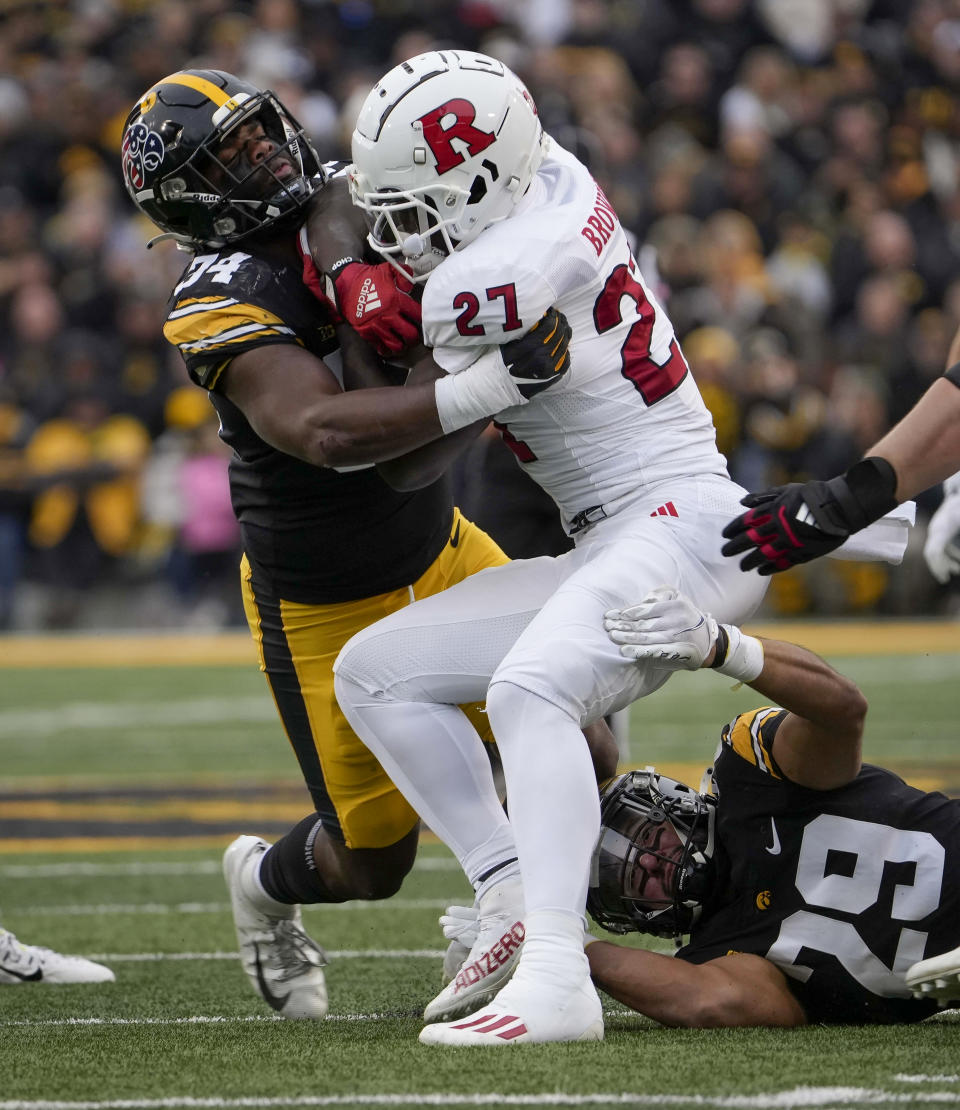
142	151
453	120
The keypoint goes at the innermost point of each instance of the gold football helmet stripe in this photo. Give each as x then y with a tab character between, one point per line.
201	84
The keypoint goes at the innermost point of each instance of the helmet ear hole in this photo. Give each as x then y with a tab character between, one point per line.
170	132
478	190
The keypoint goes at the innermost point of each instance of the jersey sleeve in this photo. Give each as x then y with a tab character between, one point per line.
475	301
223	306
750	736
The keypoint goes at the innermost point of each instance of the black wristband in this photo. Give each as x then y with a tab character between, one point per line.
953	374
340	265
722	647
872	484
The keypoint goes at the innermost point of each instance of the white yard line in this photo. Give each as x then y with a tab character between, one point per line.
87	869
82	909
798	1097
100	715
333	953
927	1078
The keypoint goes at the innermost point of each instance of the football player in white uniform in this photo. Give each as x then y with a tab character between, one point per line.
467	195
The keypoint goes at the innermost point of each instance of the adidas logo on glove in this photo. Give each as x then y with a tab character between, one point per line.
368	298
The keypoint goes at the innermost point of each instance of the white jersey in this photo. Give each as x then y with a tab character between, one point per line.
628	414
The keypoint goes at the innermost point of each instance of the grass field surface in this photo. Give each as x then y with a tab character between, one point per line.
121	784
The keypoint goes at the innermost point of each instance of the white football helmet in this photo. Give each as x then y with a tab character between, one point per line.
445	145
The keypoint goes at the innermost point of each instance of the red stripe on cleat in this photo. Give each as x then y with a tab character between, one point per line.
509	1034
497	1023
478	1020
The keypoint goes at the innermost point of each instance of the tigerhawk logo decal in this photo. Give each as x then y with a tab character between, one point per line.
142	151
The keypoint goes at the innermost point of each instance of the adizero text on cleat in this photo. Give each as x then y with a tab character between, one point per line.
492	957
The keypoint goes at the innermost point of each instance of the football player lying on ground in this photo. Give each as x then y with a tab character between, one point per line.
27	963
812	886
330	543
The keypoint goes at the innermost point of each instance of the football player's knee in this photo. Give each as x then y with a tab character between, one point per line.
512	708
375	873
503	703
371	882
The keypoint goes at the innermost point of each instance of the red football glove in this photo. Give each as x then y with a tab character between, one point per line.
374	300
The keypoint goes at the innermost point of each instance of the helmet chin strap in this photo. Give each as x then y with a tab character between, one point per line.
184	242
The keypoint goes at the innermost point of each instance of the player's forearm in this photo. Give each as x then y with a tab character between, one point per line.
369	426
335	227
424	465
362	366
818	744
802	682
694	996
924	448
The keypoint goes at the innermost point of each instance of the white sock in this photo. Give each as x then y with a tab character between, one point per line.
551	795
437	761
252	887
553	954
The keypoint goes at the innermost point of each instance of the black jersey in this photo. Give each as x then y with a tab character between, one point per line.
842	889
317	535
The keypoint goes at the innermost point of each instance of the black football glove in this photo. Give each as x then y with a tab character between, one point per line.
801	521
540	357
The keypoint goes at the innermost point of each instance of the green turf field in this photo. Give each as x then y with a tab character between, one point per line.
119	788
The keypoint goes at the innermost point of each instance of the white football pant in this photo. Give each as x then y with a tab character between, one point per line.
529	637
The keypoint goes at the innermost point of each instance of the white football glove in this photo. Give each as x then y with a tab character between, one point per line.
942	547
460	926
665	629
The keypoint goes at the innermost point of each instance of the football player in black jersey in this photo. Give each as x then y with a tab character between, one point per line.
330	546
813	888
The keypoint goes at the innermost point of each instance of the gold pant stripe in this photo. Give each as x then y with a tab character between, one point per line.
298	644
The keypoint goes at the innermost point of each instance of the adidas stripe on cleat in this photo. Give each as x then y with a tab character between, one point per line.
519	1015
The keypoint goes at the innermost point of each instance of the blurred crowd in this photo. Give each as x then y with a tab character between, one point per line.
790	170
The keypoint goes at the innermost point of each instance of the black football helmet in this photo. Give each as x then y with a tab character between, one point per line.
172	171
635	809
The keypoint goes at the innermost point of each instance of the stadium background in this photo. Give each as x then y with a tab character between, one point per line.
790	171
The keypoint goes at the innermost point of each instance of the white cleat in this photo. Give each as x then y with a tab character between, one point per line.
937	978
26	963
492	956
522	1015
284	965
